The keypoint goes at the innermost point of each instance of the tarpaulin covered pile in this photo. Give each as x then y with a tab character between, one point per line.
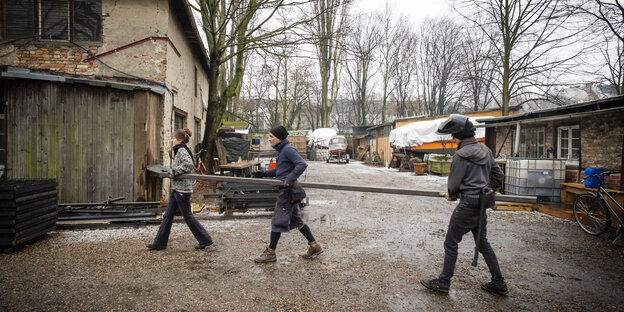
420	132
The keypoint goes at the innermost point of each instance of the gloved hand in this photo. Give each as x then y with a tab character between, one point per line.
449	198
258	174
167	173
288	183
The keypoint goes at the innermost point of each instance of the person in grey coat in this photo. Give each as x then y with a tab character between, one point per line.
180	197
473	178
287	215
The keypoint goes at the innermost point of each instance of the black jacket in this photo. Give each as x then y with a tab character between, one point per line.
472	169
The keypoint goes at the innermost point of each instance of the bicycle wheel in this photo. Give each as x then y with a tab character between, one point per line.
591	215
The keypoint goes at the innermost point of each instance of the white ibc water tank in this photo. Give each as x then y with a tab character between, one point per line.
535	177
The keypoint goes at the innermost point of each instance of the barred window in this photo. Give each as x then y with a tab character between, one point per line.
79	20
19	19
87	20
54	19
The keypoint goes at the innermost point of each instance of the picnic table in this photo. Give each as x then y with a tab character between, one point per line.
243	169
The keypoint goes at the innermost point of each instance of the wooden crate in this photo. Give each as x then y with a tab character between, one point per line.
299	142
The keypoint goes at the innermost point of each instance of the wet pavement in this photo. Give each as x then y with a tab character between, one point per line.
377	249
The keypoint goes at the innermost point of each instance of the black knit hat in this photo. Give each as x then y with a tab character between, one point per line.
280	132
467	132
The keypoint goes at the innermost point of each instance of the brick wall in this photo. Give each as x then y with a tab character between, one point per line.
62	59
501	132
601	141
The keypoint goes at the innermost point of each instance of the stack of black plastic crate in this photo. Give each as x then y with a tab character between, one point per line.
27	210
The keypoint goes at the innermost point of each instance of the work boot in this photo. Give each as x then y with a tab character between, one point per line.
495	289
202	246
314	250
267	256
154	247
435	284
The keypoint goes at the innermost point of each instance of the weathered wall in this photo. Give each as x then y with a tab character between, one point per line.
601	141
181	77
80	135
123	22
94	142
169	61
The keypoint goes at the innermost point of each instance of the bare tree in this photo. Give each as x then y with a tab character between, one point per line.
312	111
439	59
232	29
478	69
404	72
361	43
533	41
255	89
389	52
327	32
607	18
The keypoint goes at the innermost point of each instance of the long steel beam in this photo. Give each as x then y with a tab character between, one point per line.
353	188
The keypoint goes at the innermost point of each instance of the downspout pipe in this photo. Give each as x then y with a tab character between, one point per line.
517	141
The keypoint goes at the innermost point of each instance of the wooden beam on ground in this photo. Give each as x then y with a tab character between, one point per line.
505	206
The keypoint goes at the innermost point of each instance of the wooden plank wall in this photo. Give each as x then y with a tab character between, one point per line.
146	145
81	136
384	149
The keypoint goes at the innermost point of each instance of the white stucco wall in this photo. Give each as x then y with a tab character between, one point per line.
126	22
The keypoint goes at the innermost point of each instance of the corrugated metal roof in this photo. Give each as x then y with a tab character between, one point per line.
25	73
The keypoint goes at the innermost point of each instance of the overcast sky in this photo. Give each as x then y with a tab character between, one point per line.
415	10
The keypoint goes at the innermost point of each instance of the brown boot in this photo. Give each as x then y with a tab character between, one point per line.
267	256
314	250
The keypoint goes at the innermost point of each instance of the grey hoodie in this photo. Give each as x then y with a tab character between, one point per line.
472	169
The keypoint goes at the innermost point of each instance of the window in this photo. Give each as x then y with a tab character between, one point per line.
78	20
179	120
197	134
532	143
18	19
569	142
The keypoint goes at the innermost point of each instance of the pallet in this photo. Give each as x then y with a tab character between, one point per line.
504	206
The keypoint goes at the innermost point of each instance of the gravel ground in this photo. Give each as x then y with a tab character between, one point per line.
377	248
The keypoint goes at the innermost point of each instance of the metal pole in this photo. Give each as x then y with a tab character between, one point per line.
353	188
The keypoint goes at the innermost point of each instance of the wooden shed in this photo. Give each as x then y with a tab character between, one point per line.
94	137
379	141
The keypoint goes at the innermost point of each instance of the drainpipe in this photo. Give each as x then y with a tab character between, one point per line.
172	123
517	140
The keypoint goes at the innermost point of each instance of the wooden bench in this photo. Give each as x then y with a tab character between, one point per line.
569	191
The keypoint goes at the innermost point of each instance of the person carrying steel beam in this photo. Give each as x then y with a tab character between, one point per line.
287	215
473	177
180	197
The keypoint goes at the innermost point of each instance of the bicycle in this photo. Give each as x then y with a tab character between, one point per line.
590	210
200	168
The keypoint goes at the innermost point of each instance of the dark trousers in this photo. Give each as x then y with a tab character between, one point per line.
181	201
465	219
